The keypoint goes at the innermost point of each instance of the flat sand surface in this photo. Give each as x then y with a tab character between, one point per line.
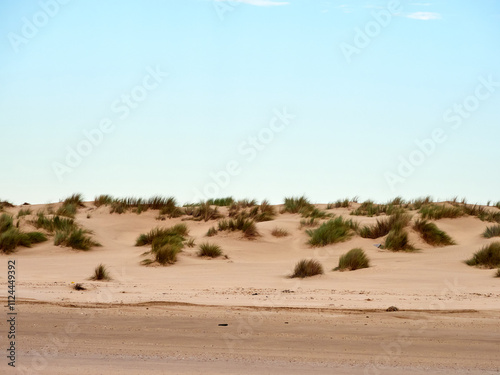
165	320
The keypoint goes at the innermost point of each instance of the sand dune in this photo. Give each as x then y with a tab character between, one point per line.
254	281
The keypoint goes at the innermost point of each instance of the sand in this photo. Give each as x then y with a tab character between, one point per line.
165	320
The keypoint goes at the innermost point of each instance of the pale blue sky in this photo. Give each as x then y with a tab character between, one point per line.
230	66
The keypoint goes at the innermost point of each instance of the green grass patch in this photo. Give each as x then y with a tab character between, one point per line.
294	205
68	210
352	260
332	231
11	236
440	211
77	239
431	234
222	202
24	212
209	250
204	211
397	240
100	273
76	199
370	208
383	226
179	230
344	203
307	268
53	223
246	226
279	232
487	257
493	231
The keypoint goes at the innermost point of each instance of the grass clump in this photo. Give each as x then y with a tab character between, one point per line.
487	257
370	208
295	204
436	212
24	212
209	250
352	260
103	200
54	223
202	211
75	199
11	236
397	240
345	203
432	234
165	243
493	231
67	209
258	213
222	202
309	223
497	274
279	232
307	268
100	273
77	239
178	230
212	232
384	226
332	231
247	226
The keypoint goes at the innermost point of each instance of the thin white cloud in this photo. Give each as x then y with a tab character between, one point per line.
424	16
259	3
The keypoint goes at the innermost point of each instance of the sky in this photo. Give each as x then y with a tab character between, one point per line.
259	99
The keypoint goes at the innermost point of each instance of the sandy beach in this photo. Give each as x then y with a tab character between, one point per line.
243	314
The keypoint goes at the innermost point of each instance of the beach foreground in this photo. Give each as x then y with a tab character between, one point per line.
158	338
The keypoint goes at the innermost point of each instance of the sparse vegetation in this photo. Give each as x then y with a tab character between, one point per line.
493	231
294	205
258	213
77	239
221	201
11	236
279	232
53	223
24	212
435	211
212	232
307	268
209	250
332	231
165	243
315	213
487	257
397	240
247	226
179	230
101	273
497	274
190	243
352	260
418	203
76	199
370	208
383	226
309	223
67	209
345	203
432	234
103	200
203	211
